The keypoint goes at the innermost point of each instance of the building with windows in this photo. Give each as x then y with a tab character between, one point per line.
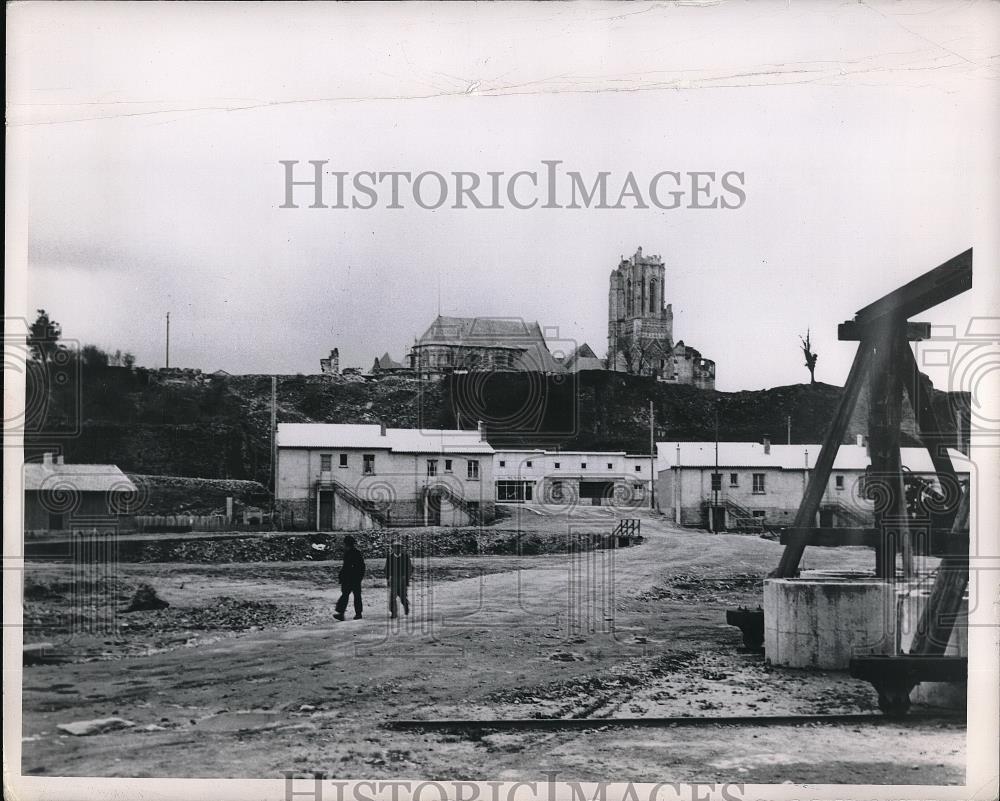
453	344
67	497
333	477
750	485
597	478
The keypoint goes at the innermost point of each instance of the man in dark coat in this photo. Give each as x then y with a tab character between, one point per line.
351	573
397	577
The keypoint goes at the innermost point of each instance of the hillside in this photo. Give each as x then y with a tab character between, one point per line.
190	424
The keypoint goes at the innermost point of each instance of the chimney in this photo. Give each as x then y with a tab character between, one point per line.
59	459
859	440
481	426
381	428
47	458
767	445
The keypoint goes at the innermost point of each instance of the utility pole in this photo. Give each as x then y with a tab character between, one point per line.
652	459
788	420
715	492
168	339
274	435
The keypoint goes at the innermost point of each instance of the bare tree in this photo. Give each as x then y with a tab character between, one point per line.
811	356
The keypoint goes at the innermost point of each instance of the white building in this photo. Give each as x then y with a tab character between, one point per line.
343	477
599	478
736	485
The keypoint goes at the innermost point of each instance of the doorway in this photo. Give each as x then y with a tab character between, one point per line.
718	518
433	509
326	510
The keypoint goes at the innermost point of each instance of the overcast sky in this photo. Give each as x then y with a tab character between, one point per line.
152	135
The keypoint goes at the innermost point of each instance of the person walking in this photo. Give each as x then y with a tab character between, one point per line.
351	574
398	570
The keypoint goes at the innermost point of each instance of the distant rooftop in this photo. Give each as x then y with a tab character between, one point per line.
55	476
401	440
785	457
483	332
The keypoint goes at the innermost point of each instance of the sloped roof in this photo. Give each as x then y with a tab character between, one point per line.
583	358
76	477
537	358
386	362
483	332
587	363
786	457
401	440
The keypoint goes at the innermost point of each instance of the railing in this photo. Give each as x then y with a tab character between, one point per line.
628	528
370	508
473	512
852	516
743	517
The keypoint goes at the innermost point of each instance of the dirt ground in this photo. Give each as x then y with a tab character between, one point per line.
246	674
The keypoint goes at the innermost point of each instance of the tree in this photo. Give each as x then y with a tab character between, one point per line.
811	356
43	337
93	357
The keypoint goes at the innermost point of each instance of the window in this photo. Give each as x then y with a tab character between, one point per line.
343	460
503	463
514	491
638	468
432	467
611	466
583	465
758	483
716	482
734	479
369	464
325	462
556	465
473	469
528	463
839	482
557	490
759	514
447	465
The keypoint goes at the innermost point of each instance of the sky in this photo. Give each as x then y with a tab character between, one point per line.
147	138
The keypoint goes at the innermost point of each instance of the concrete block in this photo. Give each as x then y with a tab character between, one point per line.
821	622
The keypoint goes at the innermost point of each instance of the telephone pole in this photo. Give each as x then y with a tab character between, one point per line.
274	435
168	339
652	459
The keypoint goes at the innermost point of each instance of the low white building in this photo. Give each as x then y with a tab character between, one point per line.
743	485
598	478
343	477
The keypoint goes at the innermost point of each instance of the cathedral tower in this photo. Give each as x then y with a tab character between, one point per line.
640	326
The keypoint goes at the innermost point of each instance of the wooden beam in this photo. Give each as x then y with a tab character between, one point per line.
853	331
942	541
885	413
820	476
933	287
938	618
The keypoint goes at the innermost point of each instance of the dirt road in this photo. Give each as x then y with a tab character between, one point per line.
632	632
